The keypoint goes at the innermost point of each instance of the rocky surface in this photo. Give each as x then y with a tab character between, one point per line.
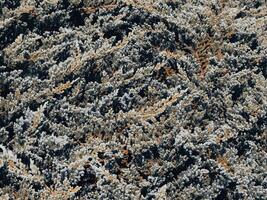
162	99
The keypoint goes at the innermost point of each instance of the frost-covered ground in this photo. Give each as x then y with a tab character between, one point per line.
132	99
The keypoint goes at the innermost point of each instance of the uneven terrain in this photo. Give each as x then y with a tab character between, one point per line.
131	99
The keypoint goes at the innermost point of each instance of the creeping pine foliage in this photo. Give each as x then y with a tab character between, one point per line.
131	99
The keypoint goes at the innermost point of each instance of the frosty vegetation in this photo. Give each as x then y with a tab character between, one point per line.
131	99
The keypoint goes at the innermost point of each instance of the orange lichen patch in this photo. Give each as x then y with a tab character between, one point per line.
35	56
201	55
126	158
166	70
204	49
74	190
218	54
225	136
125	152
11	165
170	54
224	163
61	88
101	161
169	72
229	34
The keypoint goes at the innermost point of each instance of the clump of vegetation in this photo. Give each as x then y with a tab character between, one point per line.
129	99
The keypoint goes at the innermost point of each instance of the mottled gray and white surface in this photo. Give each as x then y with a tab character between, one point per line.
132	99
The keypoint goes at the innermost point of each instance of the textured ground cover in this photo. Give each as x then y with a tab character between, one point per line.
128	99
